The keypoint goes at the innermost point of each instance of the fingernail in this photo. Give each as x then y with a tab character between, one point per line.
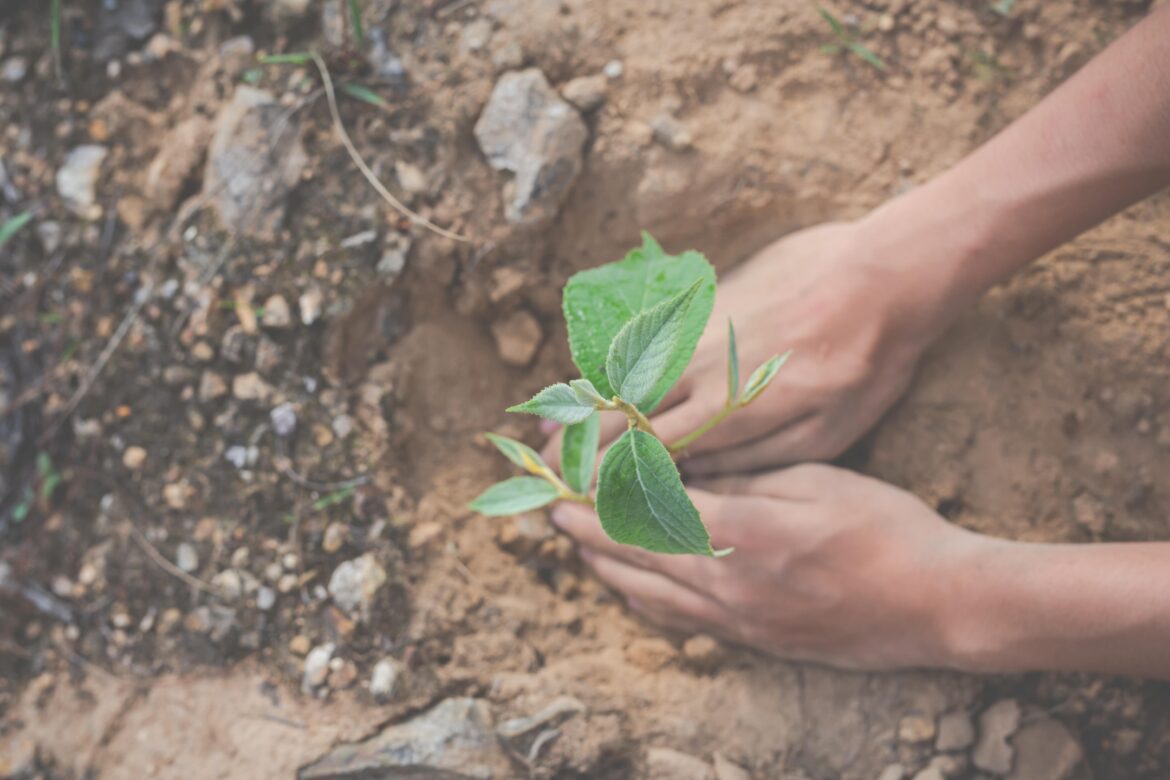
549	427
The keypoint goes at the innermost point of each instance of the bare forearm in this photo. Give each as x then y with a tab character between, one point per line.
1099	608
1097	144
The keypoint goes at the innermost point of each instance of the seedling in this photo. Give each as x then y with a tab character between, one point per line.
846	42
633	327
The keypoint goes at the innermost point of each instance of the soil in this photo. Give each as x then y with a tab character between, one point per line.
1043	415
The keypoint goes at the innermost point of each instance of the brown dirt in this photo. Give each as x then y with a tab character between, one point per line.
1043	415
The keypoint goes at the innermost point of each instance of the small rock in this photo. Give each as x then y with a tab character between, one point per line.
667	764
384	678
893	772
527	129
286	583
284	419
77	179
134	458
744	78
176	376
507	55
254	160
238	455
212	386
613	69
250	387
358	240
14	69
176	494
506	282
555	711
1045	750
355	584
179	154
586	92
265	598
186	558
299	645
50	234
727	770
310	303
316	667
993	753
930	773
915	729
203	352
335	535
229	585
671	133
702	652
342	426
955	731
276	313
518	337
886	22
650	653
410	177
953	765
385	64
342	673
394	252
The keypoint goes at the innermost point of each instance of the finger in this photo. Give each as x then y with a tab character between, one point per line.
654	591
738	429
792	444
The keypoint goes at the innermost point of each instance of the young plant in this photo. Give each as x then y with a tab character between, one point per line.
633	327
846	42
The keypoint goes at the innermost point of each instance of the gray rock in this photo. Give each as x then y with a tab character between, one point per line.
316	667
254	160
265	598
993	753
394	252
284	419
385	64
276	313
14	69
667	764
586	92
119	22
955	731
1045	750
50	234
355	584
613	69
384	678
186	558
454	739
527	129
228	584
671	133
77	179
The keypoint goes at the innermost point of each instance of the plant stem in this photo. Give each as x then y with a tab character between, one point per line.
718	417
636	418
564	491
55	37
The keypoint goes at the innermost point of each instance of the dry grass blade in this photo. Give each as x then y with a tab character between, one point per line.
396	204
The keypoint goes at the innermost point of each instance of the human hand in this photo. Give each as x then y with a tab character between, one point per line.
829	565
855	337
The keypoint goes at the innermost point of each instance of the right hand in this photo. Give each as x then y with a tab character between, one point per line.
856	335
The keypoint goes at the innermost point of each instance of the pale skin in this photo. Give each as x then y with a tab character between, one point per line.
839	568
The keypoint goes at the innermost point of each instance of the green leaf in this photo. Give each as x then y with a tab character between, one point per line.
861	51
641	500
558	403
600	301
838	29
519	453
587	393
1003	7
762	377
355	22
292	58
518	494
732	363
579	452
641	352
13	225
364	94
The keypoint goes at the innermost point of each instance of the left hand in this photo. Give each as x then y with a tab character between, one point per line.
829	566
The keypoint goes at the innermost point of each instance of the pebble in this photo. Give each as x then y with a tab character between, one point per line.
51	235
394	253
915	729
316	667
134	458
186	558
342	426
667	764
354	585
175	494
276	313
384	678
77	179
299	645
203	352
703	652
1046	750
952	765
586	93
671	133
250	387
518	338
993	753
284	419
650	653
212	386
265	598
931	772
229	585
238	455
893	772
613	69
956	731
335	535
744	78
14	69
410	177
310	304
342	673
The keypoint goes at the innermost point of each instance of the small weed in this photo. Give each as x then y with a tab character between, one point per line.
846	42
12	226
355	22
333	499
55	37
1003	7
364	94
